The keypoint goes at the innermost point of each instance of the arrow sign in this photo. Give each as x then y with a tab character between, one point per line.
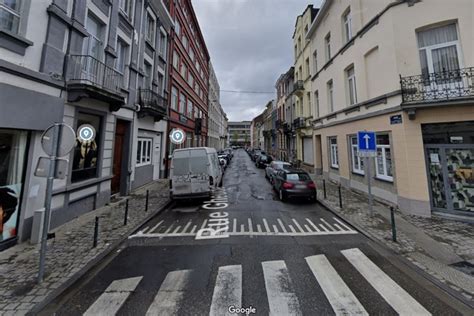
366	141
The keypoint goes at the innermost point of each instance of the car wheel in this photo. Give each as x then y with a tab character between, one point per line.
282	196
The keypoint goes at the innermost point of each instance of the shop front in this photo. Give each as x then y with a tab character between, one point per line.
449	153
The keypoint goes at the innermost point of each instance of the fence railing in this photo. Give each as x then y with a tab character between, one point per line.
149	99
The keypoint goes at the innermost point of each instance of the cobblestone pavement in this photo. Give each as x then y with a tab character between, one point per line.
71	250
454	236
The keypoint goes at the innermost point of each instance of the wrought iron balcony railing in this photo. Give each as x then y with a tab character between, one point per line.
89	70
438	86
279	124
152	103
298	86
299	122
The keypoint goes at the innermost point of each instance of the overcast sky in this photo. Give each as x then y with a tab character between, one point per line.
250	46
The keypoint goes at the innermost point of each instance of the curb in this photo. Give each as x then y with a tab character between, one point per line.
453	293
71	281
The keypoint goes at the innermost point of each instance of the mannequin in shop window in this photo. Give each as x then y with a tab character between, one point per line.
8	203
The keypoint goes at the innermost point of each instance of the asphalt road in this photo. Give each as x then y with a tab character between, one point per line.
252	252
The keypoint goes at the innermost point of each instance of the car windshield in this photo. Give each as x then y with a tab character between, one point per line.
297	176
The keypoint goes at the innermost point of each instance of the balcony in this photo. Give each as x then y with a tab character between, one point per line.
87	77
152	104
299	122
439	87
298	87
279	124
267	133
287	128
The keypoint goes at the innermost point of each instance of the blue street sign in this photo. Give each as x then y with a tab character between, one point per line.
366	141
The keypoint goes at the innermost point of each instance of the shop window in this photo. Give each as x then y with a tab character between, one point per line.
144	146
12	161
334	152
357	162
86	153
383	161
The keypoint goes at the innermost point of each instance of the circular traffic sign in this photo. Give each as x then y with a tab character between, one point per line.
86	133
177	136
66	140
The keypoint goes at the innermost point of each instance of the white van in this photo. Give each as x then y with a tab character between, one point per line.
194	173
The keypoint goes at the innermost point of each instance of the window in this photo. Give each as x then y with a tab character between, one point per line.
150	29
189	140
347	25
148	76
308	97
10	15
184	70
191	79
308	71
315	62
327	45
383	161
191	54
185	42
163	45
334	153
357	162
330	96
126	6
177	28
161	81
182	103
351	85
316	103
176	60
144	146
190	109
174	98
94	45
122	50
86	153
439	49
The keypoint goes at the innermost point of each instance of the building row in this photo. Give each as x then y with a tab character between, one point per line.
127	71
357	67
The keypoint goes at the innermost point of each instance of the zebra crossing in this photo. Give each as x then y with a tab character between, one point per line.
279	287
249	227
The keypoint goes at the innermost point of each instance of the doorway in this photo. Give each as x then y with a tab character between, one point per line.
119	163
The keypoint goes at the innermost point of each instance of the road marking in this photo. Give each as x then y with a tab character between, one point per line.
327	224
194	229
113	297
312	224
156	226
169	229
242	229
291	228
170	294
275	228
204	224
402	302
298	225
342	224
259	228
282	226
234	228
176	230
266	225
281	298
250	226
341	298
145	229
324	228
186	227
227	291
308	229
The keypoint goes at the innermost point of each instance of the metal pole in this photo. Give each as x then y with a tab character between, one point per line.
96	231
324	189
125	220
394	229
369	185
146	201
340	196
47	202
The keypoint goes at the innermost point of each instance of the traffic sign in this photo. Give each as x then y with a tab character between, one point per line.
66	139
366	141
177	136
42	168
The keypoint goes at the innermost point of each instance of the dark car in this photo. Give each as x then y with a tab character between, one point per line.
225	154
263	160
257	153
293	183
274	167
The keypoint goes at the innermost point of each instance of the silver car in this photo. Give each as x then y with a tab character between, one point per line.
274	167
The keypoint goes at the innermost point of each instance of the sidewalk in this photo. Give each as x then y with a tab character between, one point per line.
441	247
70	253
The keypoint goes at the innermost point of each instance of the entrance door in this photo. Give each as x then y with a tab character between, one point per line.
157	157
120	131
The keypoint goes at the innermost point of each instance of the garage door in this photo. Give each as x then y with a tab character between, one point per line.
308	150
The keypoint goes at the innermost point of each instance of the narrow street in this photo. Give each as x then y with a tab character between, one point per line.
293	258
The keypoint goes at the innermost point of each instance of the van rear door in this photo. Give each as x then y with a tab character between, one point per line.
181	173
199	165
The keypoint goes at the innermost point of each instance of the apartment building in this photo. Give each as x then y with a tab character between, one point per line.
91	63
281	149
410	82
257	131
216	114
302	88
286	115
239	133
269	130
189	77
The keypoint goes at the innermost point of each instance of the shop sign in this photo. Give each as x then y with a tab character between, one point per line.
456	139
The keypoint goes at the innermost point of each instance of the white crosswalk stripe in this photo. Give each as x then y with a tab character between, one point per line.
170	294
281	298
113	298
394	294
342	300
227	290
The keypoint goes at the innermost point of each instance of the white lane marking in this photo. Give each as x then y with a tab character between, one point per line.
169	229
242	229
250	226
281	298
170	294
113	297
227	291
259	228
234	228
327	224
291	228
275	228
156	226
298	225
402	302
203	224
324	228
193	230
144	230
338	227
342	224
266	225
176	230
312	224
282	226
307	228
255	233
341	298
186	227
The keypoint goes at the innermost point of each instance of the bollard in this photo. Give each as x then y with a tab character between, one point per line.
340	196
96	231
394	229
324	189
146	201
125	219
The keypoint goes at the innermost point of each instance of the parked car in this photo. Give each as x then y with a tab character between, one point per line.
257	153
274	167
195	173
262	161
225	154
230	152
293	183
223	161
